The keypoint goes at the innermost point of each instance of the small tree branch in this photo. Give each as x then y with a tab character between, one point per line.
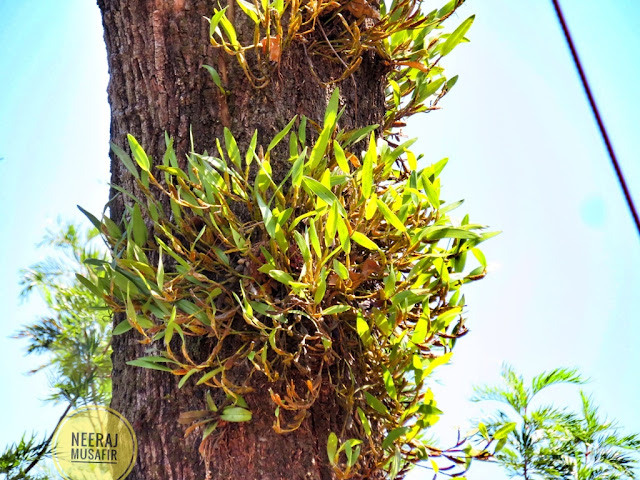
45	447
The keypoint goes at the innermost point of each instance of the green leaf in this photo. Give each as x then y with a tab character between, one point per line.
235	414
420	330
500	445
394	435
331	227
160	271
89	285
171	326
371	207
126	160
123	327
436	362
232	148
341	158
281	134
330	116
216	78
437	232
230	30
173	254
354	136
209	375
554	377
323	193
343	235
140	232
451	82
139	154
95	262
186	377
336	309
192	309
215	20
321	287
367	167
457	36
279	6
479	256
294	151
176	172
209	430
302	131
331	113
282	277
446	318
447	8
362	240
152	363
211	405
251	151
365	421
303	245
362	327
94	221
505	430
352	453
376	404
340	269
389	385
332	447
313	237
250	9
433	86
297	169
391	217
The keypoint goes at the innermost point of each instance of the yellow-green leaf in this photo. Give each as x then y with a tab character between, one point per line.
457	36
391	217
367	167
436	362
235	414
139	154
362	240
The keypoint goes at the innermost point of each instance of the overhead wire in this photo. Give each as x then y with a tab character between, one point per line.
597	115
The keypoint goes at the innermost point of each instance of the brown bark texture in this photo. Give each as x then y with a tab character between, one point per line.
156	49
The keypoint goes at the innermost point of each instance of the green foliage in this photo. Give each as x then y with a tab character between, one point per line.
17	459
347	274
410	42
343	278
74	334
594	448
414	44
553	443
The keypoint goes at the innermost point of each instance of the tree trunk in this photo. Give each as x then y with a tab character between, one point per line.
156	49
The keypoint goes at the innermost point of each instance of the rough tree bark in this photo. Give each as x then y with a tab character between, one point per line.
156	49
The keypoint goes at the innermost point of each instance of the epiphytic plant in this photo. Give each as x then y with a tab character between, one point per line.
346	274
410	42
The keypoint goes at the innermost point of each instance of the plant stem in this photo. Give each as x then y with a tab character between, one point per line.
45	447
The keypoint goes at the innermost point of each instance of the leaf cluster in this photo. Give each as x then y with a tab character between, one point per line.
345	277
409	42
547	442
17	460
74	334
346	274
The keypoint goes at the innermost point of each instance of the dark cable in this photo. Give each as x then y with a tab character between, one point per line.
596	113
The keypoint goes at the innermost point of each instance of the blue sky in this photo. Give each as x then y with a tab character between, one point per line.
524	153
